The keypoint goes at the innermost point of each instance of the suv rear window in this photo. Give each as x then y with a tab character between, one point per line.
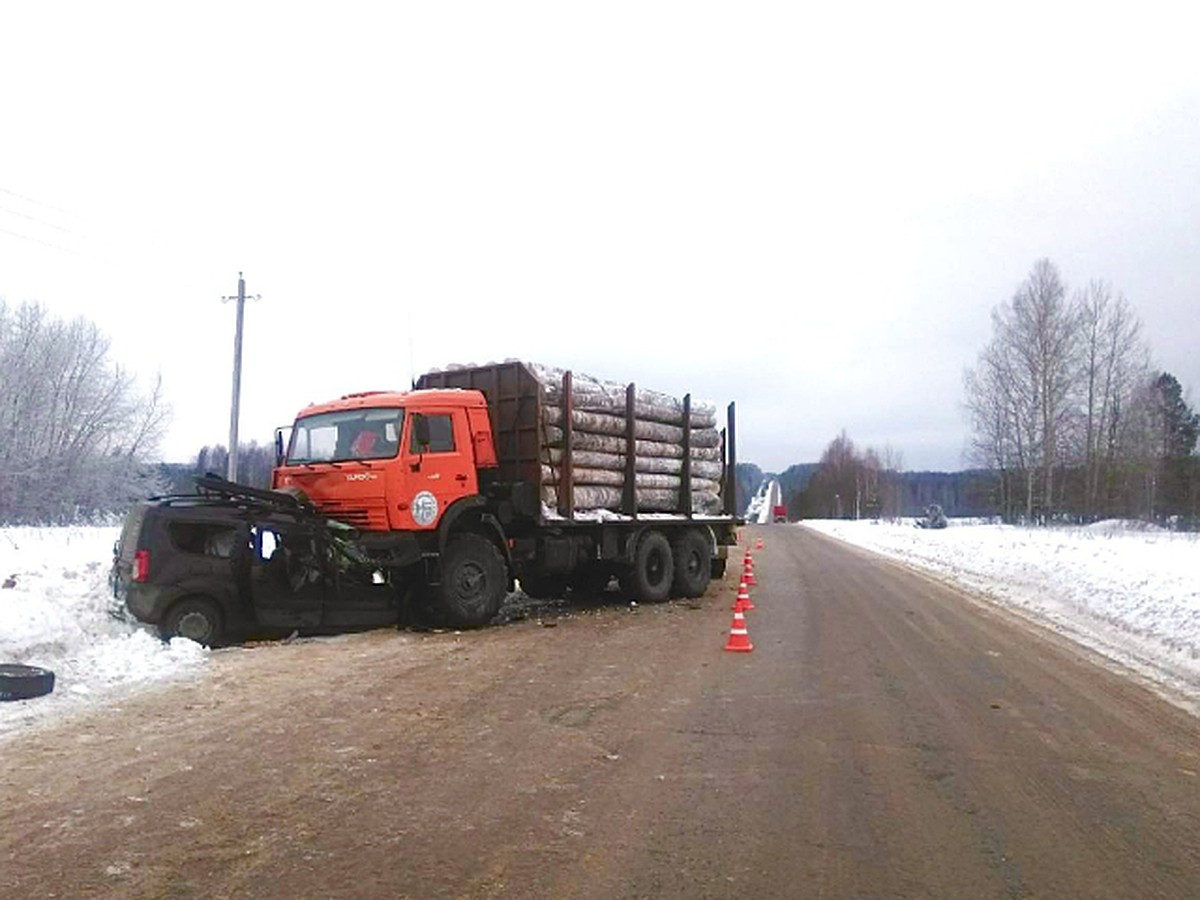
204	538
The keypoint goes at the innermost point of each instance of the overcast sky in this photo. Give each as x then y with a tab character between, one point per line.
809	211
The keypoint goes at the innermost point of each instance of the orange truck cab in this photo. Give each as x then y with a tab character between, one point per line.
389	462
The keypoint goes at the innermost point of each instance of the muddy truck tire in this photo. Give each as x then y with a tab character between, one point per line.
649	579
474	583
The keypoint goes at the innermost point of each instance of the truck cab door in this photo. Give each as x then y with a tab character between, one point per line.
439	465
287	575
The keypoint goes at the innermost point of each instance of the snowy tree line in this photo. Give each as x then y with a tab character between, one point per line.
76	433
1068	411
255	462
849	483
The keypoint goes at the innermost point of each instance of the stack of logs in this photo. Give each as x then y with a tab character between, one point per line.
600	438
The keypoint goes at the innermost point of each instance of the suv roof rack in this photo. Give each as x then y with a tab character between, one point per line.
215	486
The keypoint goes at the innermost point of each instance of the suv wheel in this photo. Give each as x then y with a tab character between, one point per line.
195	618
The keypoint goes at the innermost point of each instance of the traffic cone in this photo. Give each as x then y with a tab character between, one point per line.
739	637
748	573
743	603
758	544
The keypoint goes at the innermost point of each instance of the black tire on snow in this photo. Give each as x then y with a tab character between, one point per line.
19	682
543	587
649	579
474	582
195	618
693	570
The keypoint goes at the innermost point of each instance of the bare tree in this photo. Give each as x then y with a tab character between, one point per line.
78	437
892	488
1019	395
1115	364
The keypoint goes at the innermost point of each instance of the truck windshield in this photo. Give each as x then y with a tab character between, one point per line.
346	435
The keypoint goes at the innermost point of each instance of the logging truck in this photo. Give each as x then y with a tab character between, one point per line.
483	477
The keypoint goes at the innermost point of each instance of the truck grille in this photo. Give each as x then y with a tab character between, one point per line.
371	516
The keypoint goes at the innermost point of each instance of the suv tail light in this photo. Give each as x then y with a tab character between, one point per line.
141	565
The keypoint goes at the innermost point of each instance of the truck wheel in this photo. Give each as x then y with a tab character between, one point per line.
719	565
195	618
653	569
540	586
18	682
474	582
693	569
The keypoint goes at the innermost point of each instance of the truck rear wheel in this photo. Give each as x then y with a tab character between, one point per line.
474	582
649	580
693	569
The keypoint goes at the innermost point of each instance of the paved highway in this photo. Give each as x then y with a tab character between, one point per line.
888	737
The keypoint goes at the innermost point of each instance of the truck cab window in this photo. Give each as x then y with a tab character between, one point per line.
346	435
441	434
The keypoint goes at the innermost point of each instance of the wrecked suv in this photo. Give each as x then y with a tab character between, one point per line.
231	561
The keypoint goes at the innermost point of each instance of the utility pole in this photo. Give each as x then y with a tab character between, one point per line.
232	470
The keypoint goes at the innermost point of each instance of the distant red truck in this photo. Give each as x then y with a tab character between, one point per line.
779	513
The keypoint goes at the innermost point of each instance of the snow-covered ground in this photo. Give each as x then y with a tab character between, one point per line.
1126	590
61	615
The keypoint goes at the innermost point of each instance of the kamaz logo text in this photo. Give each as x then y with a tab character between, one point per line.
361	476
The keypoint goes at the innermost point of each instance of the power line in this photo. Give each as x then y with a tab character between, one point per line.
22	215
34	240
37	202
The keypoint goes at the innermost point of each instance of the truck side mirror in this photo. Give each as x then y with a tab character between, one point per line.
421	438
421	432
278	447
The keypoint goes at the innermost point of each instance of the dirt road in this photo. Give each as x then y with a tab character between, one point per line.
888	737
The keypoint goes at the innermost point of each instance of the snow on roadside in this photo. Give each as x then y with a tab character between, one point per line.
1128	591
61	615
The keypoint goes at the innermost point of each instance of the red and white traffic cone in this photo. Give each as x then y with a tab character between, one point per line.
748	573
739	637
743	603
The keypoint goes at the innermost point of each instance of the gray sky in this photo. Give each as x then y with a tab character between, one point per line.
809	211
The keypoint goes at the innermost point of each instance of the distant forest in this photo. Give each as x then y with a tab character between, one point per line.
959	494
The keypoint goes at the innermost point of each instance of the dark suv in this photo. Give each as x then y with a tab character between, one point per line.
230	561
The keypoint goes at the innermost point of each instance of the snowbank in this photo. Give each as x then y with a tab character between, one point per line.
1130	592
60	614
